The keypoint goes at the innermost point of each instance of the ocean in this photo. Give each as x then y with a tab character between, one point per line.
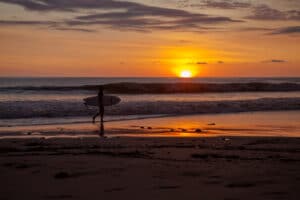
35	101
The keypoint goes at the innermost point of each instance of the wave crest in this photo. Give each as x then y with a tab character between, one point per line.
167	88
31	109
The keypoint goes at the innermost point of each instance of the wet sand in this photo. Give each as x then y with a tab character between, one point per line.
228	168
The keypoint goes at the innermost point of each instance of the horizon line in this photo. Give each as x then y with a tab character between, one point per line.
137	77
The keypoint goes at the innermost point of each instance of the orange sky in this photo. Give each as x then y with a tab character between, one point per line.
208	39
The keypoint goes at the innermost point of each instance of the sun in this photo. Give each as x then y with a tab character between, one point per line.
185	74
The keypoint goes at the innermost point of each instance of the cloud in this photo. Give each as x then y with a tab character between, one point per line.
264	12
23	22
275	61
125	15
287	30
220	62
222	4
70	5
197	63
149	18
185	41
201	63
75	29
49	24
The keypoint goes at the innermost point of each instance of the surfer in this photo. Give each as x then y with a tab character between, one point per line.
101	110
100	101
100	105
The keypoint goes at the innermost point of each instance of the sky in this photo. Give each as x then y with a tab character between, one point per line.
150	38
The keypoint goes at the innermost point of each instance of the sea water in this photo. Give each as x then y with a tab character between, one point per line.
33	101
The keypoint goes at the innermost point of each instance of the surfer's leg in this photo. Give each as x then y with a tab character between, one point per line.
101	129
101	123
94	117
101	116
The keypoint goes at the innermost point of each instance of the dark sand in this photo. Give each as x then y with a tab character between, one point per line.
228	168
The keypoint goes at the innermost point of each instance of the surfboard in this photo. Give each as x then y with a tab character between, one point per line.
107	100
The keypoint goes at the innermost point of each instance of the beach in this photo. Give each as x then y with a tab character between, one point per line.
150	168
210	157
226	139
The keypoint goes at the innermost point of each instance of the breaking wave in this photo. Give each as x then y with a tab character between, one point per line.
54	108
167	88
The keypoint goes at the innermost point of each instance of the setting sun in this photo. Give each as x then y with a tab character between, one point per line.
185	74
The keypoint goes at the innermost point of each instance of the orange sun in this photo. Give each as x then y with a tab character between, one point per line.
185	74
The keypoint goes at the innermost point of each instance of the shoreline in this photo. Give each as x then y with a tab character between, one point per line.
275	123
225	156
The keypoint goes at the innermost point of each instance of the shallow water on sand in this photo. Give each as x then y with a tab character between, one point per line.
284	123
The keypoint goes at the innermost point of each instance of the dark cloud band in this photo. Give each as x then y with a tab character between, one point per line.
122	15
264	12
287	30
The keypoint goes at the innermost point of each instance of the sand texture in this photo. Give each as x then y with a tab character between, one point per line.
150	168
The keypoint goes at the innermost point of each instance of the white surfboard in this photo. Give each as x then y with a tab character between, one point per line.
107	100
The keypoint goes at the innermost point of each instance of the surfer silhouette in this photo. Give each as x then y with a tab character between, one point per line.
101	111
100	101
